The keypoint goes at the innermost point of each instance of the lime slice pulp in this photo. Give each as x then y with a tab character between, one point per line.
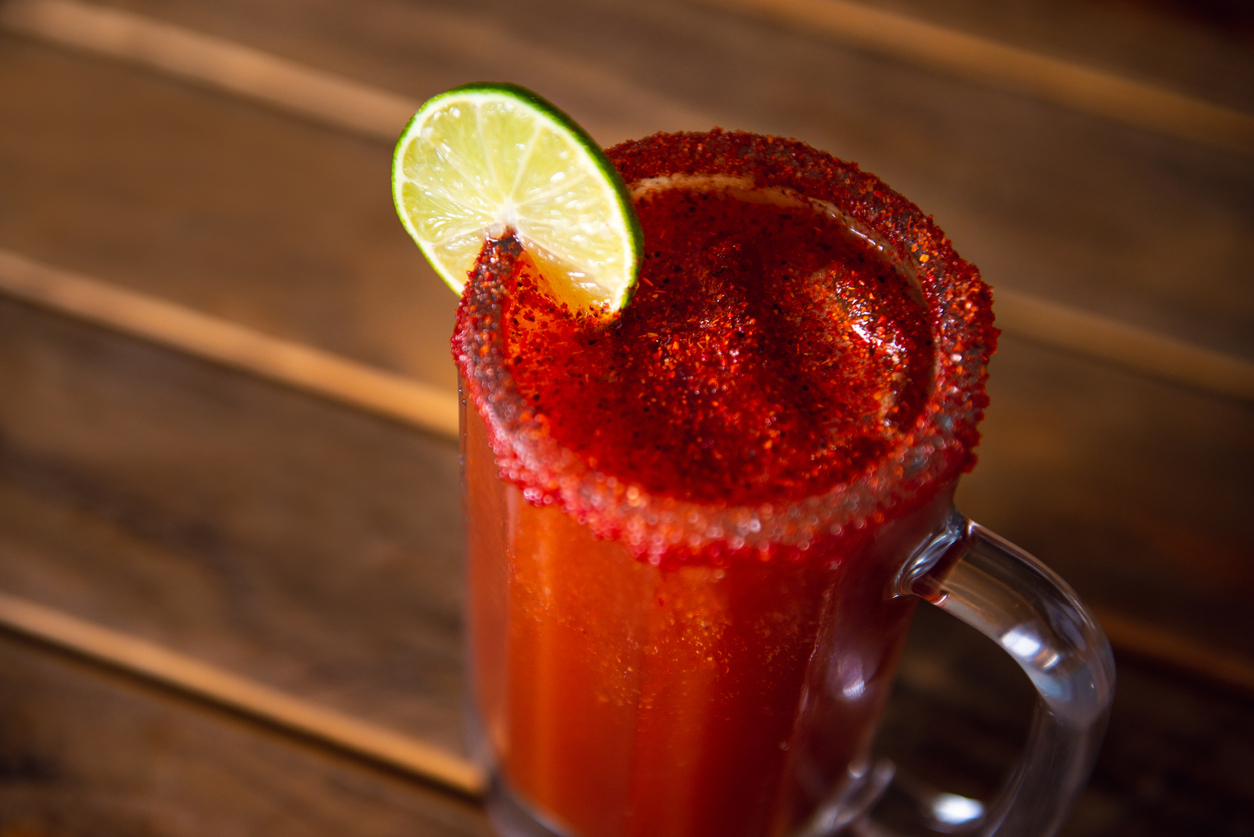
481	159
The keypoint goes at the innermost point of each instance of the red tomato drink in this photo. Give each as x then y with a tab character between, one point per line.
686	523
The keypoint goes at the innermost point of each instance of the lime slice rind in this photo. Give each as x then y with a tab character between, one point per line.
485	157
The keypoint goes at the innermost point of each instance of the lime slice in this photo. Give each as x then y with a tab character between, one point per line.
484	158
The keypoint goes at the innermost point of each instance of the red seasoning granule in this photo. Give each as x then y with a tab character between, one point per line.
768	355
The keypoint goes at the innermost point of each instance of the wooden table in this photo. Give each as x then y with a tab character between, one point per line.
225	383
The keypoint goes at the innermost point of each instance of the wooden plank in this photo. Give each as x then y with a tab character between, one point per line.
211	338
88	750
1161	647
217	685
301	89
213	62
1123	345
991	63
303	545
227	689
342	102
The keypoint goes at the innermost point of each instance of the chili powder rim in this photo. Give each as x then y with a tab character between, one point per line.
934	450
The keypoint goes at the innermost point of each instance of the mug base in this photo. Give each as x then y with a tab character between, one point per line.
511	817
846	817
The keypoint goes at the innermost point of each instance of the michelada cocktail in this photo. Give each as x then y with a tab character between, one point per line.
697	512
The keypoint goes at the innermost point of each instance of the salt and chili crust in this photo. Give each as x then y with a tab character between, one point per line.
669	531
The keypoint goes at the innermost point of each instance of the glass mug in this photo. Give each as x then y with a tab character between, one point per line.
615	693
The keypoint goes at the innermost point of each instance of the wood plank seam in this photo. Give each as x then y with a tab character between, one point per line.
213	62
221	341
998	65
1123	345
225	688
340	102
435	410
1134	638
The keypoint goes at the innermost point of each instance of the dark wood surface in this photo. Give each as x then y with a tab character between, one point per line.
316	548
88	753
263	530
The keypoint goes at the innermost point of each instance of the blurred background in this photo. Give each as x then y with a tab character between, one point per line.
228	460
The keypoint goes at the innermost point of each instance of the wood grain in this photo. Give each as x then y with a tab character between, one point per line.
303	545
319	95
988	62
1123	345
1134	638
88	751
220	341
222	65
229	690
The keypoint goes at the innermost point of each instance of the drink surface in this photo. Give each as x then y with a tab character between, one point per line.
769	353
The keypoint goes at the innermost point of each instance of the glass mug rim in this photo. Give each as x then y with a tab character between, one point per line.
930	454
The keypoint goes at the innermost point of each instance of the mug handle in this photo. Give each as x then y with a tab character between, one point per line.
1023	606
